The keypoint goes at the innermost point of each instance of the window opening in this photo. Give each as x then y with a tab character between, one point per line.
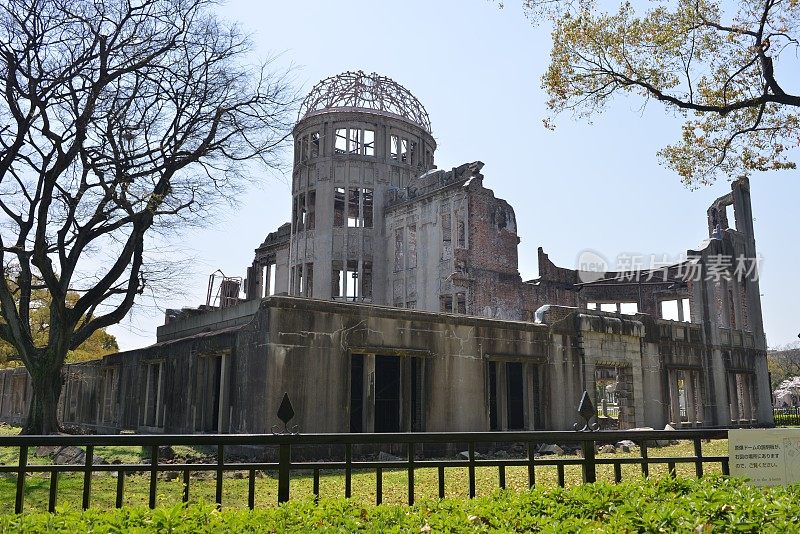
446	303
299	282
366	280
352	280
315	144
340	142
338	207
675	310
669	310
337	279
461	228
461	303
310	209
353	219
309	280
394	149
267	279
369	142
354	141
300	211
367	199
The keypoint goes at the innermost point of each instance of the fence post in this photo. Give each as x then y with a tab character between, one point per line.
283	472
153	476
589	466
220	474
87	475
23	463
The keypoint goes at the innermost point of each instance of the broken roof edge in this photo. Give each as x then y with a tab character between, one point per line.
548	272
220	318
432	182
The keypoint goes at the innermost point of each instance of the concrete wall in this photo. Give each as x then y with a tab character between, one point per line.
232	379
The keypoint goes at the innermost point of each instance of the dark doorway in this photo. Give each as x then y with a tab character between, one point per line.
207	393
356	393
515	399
387	394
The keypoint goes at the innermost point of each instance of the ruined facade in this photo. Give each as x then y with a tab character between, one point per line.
392	301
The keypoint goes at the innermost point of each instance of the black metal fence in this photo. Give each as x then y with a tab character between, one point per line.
285	457
786	416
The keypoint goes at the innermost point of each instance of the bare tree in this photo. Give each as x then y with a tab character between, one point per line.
119	118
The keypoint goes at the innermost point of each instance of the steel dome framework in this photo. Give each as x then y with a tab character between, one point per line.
367	91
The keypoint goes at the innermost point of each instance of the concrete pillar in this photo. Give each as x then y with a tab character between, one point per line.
733	395
747	397
223	418
147	394
529	394
698	398
161	406
688	392
763	391
674	399
501	383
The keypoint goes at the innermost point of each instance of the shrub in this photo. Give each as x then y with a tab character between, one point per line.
668	505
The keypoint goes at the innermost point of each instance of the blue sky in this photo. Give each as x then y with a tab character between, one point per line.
477	70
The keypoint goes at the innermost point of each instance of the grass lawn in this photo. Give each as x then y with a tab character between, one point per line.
235	484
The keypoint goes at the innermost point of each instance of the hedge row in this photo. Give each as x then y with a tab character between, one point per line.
712	504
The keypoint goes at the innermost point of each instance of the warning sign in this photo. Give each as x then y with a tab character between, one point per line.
768	457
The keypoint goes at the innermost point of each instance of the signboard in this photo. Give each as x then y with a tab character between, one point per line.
768	457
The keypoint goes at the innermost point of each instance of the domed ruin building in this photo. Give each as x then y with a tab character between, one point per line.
392	301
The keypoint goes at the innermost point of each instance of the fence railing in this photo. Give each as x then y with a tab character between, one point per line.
287	456
609	411
786	416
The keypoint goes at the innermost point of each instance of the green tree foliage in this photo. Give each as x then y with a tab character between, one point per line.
96	346
783	363
725	67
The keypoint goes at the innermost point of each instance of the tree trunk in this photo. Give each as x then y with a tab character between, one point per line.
43	416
